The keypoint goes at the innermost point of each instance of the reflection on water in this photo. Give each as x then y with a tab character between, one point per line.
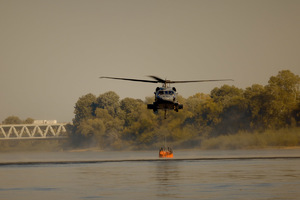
167	176
165	179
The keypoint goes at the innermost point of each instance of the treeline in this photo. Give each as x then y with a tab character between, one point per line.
16	120
113	123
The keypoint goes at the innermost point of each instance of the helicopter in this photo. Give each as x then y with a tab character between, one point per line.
165	96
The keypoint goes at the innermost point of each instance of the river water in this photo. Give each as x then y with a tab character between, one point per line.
193	174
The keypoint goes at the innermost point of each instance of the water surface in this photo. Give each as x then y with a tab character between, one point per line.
152	179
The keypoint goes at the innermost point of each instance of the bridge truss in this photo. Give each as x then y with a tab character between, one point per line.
33	131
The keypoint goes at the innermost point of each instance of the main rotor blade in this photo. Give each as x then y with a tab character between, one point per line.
194	81
129	79
159	80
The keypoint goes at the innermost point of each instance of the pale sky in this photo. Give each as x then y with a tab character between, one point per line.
53	52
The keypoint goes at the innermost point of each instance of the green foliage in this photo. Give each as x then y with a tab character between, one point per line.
110	102
92	128
32	145
283	93
246	140
229	117
84	108
257	105
225	94
17	120
28	121
132	109
12	120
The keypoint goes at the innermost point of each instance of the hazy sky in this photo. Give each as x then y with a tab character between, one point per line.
52	52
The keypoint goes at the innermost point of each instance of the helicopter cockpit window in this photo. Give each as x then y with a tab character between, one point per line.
166	92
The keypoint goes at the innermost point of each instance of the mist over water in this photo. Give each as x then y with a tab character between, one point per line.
159	179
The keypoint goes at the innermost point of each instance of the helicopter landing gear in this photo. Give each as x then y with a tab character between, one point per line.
177	107
152	107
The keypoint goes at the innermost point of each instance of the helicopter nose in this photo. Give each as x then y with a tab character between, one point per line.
167	98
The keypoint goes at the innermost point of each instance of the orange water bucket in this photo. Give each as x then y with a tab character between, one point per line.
165	154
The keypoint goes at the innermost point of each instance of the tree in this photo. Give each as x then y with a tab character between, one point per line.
28	121
204	117
194	101
225	93
285	83
93	129
12	120
283	92
232	109
84	108
258	102
234	117
132	109
139	122
110	102
296	115
113	125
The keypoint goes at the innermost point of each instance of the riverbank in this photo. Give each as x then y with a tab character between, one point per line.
271	139
283	138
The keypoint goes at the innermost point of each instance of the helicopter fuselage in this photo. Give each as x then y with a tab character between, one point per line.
165	98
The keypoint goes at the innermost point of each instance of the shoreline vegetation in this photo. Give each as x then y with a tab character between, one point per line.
283	138
227	118
288	138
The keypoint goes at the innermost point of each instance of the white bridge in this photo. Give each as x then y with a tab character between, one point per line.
33	131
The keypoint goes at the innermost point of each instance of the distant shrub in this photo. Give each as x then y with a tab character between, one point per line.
245	140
